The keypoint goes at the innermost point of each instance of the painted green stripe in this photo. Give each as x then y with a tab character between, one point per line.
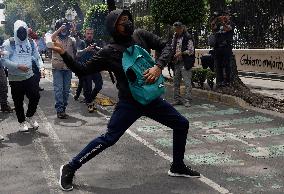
212	159
201	106
266	152
149	128
168	142
219	137
226	123
261	133
229	111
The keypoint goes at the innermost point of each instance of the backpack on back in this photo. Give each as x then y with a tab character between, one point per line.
135	62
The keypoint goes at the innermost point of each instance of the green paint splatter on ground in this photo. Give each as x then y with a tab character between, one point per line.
226	123
220	137
232	179
193	141
204	106
271	151
212	159
168	142
149	129
201	106
261	133
165	142
275	186
229	111
258	185
260	182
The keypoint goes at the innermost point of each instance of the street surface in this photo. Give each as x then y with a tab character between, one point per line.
235	149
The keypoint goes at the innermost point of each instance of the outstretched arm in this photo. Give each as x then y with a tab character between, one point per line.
96	64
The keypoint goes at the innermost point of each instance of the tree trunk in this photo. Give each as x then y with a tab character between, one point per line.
216	5
79	12
111	5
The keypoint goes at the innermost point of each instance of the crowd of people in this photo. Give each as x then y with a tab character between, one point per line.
22	60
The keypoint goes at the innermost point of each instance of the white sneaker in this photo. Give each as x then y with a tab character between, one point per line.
34	124
24	126
1	138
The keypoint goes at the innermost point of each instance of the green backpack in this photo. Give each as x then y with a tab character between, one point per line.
135	62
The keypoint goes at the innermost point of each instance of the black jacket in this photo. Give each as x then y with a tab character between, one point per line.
110	59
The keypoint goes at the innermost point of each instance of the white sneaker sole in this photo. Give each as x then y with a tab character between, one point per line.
24	131
35	128
60	181
181	175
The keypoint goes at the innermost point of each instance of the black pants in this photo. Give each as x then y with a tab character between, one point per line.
85	82
29	88
222	62
125	114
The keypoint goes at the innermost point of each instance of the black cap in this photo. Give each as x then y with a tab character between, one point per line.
177	24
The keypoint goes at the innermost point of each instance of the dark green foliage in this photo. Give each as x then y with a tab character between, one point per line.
95	18
200	75
259	22
190	12
210	76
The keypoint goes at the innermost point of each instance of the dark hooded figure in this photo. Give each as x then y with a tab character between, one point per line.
119	24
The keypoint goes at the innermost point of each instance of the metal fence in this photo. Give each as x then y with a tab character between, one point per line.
258	23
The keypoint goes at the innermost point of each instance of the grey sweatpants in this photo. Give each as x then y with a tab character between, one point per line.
3	86
180	73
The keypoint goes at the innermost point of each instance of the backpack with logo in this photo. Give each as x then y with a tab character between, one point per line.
135	62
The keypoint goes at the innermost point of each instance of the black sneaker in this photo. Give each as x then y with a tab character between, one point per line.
62	115
183	171
66	177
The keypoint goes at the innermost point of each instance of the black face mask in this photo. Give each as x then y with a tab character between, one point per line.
128	27
22	33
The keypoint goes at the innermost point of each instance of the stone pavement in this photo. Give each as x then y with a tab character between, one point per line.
237	150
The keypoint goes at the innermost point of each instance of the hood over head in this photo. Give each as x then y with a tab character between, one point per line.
20	31
111	21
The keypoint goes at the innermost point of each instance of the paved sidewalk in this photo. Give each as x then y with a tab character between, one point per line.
262	86
237	150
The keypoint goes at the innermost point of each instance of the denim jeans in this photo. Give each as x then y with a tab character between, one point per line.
61	84
86	83
125	114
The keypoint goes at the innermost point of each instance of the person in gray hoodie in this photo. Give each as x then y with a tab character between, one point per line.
19	53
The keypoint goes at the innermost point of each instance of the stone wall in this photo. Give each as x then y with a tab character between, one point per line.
254	60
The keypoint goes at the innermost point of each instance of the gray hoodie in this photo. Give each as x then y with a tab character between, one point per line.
22	53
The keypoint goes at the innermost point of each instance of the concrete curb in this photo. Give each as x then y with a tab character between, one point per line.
231	100
214	96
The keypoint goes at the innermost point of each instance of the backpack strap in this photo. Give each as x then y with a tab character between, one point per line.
32	45
12	43
117	47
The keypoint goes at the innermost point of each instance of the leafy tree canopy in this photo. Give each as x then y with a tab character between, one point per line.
190	12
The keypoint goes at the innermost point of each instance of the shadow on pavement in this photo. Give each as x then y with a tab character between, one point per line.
24	139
